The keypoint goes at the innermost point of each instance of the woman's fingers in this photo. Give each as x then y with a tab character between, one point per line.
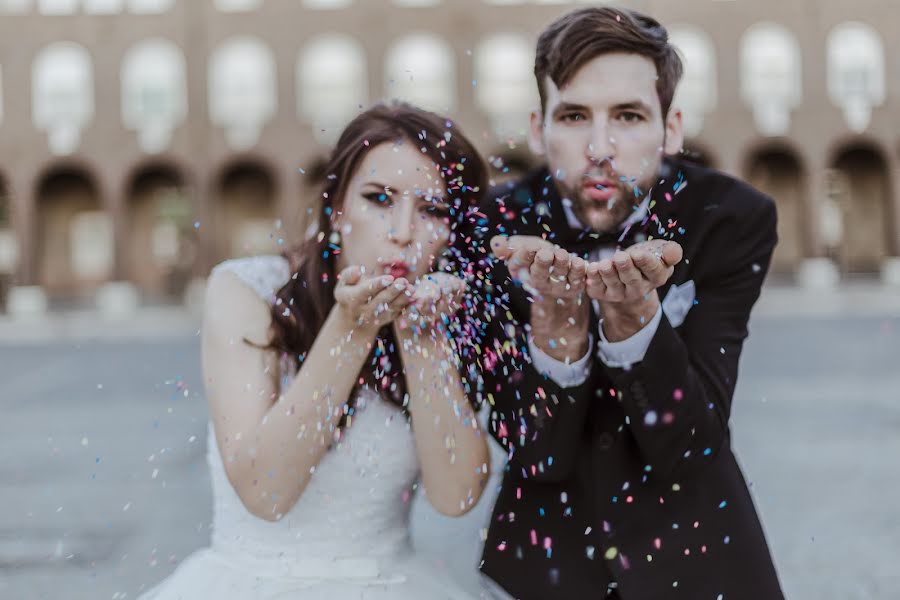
356	295
350	275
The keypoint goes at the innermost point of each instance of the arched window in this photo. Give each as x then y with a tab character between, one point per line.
154	92
697	94
242	90
62	87
771	82
238	5
331	83
15	7
504	82
103	7
327	4
856	72
421	69
150	7
416	3
57	7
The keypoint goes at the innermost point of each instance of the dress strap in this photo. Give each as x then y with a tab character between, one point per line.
263	274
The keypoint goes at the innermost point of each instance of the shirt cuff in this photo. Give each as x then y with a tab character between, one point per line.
624	354
565	375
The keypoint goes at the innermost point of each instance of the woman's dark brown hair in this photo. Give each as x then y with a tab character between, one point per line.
303	304
582	35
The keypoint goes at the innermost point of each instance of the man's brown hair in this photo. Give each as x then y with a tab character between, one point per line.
582	35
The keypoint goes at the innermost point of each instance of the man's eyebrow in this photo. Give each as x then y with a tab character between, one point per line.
569	106
638	105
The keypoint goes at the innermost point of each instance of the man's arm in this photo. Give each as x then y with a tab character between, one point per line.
678	398
537	421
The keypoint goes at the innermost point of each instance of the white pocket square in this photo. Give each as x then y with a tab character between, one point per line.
678	301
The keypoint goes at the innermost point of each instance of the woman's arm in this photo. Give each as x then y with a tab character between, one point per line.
450	443
271	445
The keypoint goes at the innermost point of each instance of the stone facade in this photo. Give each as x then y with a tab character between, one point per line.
835	180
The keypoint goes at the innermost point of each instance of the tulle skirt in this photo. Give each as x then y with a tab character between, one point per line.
213	574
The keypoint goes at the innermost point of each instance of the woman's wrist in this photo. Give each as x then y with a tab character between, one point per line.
348	325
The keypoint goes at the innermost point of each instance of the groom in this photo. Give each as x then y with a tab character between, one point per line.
610	372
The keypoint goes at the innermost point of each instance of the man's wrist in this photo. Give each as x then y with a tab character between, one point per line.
560	330
621	320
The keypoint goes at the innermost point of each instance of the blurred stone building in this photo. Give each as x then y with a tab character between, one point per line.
142	141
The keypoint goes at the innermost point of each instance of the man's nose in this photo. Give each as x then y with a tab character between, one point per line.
601	146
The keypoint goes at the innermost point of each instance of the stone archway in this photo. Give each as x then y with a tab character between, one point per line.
860	187
777	172
699	155
75	239
245	212
161	241
9	252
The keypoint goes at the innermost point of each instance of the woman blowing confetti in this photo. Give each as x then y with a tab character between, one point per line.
333	380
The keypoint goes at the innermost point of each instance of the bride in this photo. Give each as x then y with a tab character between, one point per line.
333	381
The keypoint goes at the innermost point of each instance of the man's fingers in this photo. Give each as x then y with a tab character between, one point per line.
500	247
561	263
577	270
518	250
672	253
610	277
540	267
596	289
628	272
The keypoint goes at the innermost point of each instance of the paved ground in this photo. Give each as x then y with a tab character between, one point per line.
103	487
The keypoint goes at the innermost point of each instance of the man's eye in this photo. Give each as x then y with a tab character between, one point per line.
572	117
631	117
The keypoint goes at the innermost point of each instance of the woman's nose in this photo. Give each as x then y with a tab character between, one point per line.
402	225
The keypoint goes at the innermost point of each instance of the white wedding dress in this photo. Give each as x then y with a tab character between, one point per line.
348	534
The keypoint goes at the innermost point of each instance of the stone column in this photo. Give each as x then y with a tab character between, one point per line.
890	268
817	271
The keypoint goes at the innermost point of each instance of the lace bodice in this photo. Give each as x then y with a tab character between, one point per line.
359	495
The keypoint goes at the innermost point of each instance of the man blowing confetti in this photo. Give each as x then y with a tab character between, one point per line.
616	284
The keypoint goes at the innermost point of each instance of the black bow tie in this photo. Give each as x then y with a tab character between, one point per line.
585	241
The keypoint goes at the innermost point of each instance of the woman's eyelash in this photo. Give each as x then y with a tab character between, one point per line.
436	209
379	198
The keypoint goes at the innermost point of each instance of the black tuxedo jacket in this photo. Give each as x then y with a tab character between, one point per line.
628	480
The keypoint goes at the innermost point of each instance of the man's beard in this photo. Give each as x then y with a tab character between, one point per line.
627	198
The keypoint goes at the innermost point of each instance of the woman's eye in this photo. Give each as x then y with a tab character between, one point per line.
379	198
436	210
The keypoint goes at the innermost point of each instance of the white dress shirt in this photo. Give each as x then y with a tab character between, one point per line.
622	354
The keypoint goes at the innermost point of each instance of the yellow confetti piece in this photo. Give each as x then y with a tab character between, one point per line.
611	553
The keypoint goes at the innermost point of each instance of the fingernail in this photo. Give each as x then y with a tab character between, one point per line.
387	279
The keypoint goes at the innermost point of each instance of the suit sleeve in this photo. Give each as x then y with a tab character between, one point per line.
539	423
678	398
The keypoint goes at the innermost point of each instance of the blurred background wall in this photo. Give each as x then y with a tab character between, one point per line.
142	141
